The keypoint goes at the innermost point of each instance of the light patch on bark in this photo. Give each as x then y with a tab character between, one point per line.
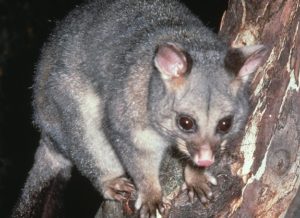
260	86
248	144
247	37
263	14
261	170
268	64
293	86
244	13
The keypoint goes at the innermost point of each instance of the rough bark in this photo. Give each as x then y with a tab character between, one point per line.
259	176
270	148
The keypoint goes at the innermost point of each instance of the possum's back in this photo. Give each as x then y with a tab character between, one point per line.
103	38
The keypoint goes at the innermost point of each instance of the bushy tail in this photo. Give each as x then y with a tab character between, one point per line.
43	188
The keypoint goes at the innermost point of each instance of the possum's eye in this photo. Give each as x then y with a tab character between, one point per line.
186	123
224	125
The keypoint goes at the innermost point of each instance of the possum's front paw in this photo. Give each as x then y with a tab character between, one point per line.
148	203
118	189
197	183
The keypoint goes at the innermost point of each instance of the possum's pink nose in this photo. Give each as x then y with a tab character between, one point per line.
204	157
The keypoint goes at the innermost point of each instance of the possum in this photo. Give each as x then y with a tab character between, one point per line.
121	81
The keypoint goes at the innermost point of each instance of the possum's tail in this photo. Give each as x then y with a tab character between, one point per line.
47	178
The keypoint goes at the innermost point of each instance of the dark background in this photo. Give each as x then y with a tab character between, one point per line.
24	26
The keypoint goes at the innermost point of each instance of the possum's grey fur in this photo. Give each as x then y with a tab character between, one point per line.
120	81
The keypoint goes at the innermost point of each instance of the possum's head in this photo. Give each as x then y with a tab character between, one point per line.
198	99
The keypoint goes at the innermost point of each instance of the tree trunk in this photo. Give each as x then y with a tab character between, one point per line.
259	176
270	148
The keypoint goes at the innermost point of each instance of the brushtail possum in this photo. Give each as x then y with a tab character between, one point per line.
118	82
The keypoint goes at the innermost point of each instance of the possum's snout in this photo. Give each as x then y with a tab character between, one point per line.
202	155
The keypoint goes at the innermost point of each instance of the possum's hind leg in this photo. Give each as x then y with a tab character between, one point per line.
43	186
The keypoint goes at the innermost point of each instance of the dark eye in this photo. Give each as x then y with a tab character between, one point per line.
224	125
186	123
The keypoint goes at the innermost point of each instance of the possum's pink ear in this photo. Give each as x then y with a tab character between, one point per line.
171	61
243	62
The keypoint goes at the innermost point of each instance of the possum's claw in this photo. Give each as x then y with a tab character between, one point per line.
197	184
118	189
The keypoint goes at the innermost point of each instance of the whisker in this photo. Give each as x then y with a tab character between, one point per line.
170	133
183	157
180	142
